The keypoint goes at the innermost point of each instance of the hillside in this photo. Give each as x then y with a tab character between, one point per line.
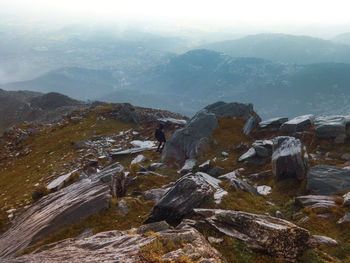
248	191
17	107
285	48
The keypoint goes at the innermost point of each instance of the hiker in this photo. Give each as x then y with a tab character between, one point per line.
159	134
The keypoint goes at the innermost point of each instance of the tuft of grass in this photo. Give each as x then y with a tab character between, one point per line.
39	192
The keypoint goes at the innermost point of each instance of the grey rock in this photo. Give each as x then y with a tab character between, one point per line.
287	158
191	141
328	180
139	159
204	167
154	194
297	124
346	197
125	247
123	207
315	201
125	112
274	123
188	192
54	211
173	121
215	184
332	127
251	124
216	171
279	214
316	241
224	154
59	182
249	154
238	185
344	219
116	154
259	232
155	166
188	166
261	151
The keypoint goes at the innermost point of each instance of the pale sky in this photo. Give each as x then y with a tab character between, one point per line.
219	13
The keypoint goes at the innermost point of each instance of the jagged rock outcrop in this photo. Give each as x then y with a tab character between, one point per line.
272	124
189	191
127	247
332	127
328	180
125	112
297	124
59	209
272	235
191	141
287	158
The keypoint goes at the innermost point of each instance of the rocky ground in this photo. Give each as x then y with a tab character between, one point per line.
227	187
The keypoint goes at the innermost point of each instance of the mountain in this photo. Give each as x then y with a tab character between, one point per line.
342	38
17	107
284	48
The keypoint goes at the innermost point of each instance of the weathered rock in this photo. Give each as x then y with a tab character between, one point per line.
273	124
86	233
332	127
139	159
316	241
328	180
189	191
126	247
173	121
188	166
251	124
113	176
297	124
216	171
346	197
239	185
155	166
274	236
125	112
59	182
191	141
287	158
215	183
249	154
264	189
123	207
54	211
154	194
279	214
204	167
315	201
116	154
224	154
344	219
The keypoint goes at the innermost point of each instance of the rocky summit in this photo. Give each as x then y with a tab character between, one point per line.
85	183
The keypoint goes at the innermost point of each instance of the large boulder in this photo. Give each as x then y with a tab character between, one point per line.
328	180
315	201
125	112
128	247
191	141
59	209
189	192
288	159
271	235
332	127
297	124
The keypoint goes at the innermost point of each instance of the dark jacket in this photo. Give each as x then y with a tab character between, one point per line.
159	134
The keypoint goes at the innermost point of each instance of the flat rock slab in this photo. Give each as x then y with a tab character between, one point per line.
59	182
188	166
130	151
274	236
328	180
315	201
274	123
125	247
173	121
297	124
328	127
54	211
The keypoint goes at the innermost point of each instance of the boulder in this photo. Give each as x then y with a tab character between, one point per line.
188	192
188	166
328	180
128	247
54	211
297	124
263	148
263	189
123	207
247	155
204	167
251	124
287	158
125	112
215	184
346	197
239	185
316	241
59	182
272	235
332	127
191	141
315	201
272	124
216	171
139	159
344	219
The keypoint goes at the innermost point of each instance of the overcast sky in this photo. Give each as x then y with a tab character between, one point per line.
208	14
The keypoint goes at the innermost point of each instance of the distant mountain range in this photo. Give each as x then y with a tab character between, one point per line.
190	81
285	48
